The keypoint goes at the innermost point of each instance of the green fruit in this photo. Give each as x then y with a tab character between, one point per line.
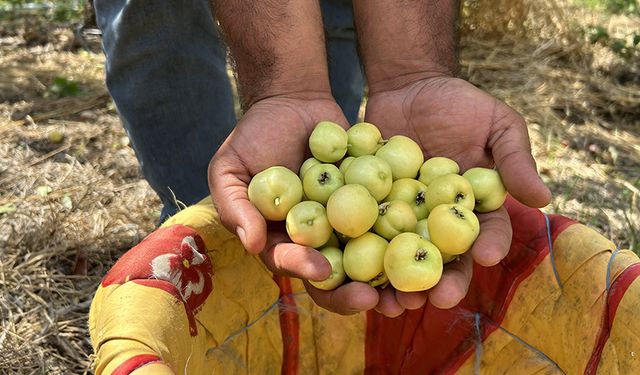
412	264
451	188
363	258
274	191
394	217
371	172
436	167
488	189
403	155
412	192
307	224
363	139
453	228
352	210
320	181
346	162
306	165
328	142
337	277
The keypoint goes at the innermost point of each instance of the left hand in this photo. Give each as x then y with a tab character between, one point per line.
450	117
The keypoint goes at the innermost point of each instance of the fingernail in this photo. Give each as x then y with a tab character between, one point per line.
242	235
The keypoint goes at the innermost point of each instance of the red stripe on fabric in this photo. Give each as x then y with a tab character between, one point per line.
430	340
289	326
134	363
614	297
171	251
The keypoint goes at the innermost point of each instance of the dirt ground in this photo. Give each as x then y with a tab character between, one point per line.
72	197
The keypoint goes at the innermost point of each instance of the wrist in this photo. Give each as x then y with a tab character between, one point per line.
304	85
402	42
277	47
388	76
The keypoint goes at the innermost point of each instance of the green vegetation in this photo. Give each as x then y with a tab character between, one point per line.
626	46
62	87
613	6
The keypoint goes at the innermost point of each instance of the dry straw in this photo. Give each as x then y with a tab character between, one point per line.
74	206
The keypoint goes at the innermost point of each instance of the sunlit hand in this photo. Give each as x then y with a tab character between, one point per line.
451	117
274	131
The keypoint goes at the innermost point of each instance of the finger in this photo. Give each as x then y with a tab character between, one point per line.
411	300
454	284
388	304
347	299
511	151
228	182
288	259
494	241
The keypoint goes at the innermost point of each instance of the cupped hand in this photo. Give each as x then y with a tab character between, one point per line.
450	117
275	131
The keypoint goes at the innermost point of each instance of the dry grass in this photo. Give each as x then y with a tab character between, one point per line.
69	209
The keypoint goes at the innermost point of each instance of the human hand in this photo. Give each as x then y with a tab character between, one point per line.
451	117
274	131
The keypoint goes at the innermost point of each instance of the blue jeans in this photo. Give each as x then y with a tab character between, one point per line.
166	72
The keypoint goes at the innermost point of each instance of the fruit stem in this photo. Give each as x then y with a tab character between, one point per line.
276	201
421	254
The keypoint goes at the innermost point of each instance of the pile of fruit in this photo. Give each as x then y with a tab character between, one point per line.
375	208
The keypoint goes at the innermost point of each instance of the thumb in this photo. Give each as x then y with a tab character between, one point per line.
511	152
228	182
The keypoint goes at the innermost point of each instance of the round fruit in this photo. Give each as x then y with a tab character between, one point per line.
364	139
334	256
274	191
333	241
423	230
436	167
410	191
394	217
307	224
320	181
451	188
328	142
412	263
488	189
371	172
403	155
352	210
453	228
56	136
345	163
306	165
363	258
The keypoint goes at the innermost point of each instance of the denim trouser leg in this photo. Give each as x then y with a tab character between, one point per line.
167	75
345	71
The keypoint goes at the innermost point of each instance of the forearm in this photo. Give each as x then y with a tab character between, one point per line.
277	46
404	40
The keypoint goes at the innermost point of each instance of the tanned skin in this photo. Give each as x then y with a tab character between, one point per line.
408	49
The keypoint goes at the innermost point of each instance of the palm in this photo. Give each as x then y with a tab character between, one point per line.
450	117
273	132
444	124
